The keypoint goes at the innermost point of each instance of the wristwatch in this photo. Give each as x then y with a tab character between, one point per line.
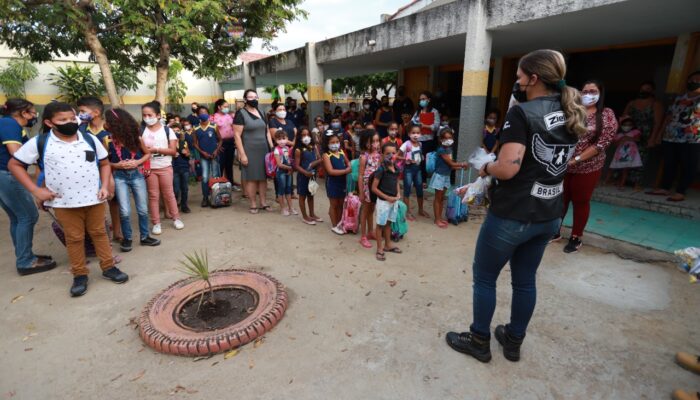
577	159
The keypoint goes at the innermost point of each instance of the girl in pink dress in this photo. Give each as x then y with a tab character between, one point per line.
627	155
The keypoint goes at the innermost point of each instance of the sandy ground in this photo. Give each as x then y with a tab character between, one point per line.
604	328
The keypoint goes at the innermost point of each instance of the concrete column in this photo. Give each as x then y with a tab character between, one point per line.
315	83
676	77
248	79
328	90
280	91
477	57
401	77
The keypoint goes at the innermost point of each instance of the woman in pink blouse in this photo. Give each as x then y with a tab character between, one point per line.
586	166
223	121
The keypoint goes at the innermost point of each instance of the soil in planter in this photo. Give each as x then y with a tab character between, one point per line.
232	305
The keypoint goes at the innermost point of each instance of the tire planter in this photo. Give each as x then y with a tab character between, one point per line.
161	329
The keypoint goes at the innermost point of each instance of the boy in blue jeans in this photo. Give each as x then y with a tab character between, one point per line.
207	141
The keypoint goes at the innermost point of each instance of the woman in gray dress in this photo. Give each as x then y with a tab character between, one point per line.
253	141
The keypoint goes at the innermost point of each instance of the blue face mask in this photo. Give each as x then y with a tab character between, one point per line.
423	103
335	125
85	117
204	117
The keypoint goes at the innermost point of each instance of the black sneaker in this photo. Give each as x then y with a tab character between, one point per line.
573	245
115	275
511	346
470	344
80	284
555	238
186	209
205	203
125	245
39	265
149	241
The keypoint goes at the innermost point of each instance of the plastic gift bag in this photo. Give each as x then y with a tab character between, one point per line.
690	262
479	158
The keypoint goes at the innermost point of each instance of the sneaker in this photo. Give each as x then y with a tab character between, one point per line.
178	224
688	361
80	284
186	209
115	275
470	344
295	212
125	245
156	229
573	245
365	242
236	188
511	346
338	230
555	238
205	203
39	265
285	212
149	241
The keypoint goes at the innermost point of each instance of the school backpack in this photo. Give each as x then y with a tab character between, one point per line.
41	143
399	228
351	185
270	165
456	211
220	192
430	161
350	221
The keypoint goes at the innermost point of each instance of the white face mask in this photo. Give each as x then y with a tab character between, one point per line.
414	136
491	121
392	133
334	147
626	128
150	121
282	142
365	106
589	99
448	142
306	140
281	114
188	127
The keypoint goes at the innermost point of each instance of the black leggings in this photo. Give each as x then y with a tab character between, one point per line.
226	159
685	155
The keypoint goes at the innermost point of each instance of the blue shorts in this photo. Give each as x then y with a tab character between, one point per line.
284	183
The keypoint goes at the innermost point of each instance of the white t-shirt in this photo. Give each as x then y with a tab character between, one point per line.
159	140
70	169
412	152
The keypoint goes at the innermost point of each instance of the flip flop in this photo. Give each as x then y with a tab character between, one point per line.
380	256
657	193
253	210
265	208
393	250
675	200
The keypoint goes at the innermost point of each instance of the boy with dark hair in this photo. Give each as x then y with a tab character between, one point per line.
181	167
91	114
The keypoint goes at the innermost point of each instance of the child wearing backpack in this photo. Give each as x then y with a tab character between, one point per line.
441	177
370	145
283	175
385	187
207	141
411	153
337	168
73	164
306	160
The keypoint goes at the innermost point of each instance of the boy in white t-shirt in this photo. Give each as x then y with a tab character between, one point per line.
73	165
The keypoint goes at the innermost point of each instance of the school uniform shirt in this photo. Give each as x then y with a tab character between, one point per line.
206	138
182	162
194	119
490	137
117	154
11	132
412	152
388	181
102	135
159	139
70	169
441	167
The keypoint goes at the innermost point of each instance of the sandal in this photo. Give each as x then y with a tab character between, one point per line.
265	208
410	217
365	243
253	210
380	256
317	219
657	192
309	222
393	250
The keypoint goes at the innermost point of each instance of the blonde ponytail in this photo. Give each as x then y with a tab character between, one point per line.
550	67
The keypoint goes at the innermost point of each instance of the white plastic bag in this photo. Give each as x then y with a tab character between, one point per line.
480	157
477	192
313	186
690	262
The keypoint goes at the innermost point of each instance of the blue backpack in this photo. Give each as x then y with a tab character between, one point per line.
399	228
42	141
430	161
456	212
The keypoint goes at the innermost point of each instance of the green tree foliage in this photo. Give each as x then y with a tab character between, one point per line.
360	86
125	79
14	76
74	81
177	89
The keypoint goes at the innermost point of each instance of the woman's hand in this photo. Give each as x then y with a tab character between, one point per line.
482	171
244	160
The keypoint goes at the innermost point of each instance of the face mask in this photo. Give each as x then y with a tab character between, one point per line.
519	95
31	122
188	127
85	117
644	94
225	110
281	114
447	142
150	121
491	122
385	104
388	159
626	128
282	142
306	140
392	133
252	103
353	109
414	137
423	103
365	106
334	146
204	117
693	86
376	146
589	99
67	129
335	125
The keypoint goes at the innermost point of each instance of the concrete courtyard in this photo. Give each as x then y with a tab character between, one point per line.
355	328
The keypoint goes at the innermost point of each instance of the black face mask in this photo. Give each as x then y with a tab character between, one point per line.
252	103
31	122
519	95
67	129
644	94
194	110
693	86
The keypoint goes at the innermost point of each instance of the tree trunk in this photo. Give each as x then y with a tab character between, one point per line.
93	42
303	96
162	71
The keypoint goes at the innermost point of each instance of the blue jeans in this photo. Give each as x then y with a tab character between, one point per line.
412	176
181	180
523	244
210	169
131	180
283	180
20	208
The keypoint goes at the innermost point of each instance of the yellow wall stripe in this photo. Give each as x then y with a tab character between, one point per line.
475	83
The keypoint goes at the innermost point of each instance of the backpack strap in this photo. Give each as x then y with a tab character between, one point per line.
41	142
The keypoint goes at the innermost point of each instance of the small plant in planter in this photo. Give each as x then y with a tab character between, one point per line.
196	266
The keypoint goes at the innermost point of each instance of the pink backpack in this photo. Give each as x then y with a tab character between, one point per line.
351	213
270	164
